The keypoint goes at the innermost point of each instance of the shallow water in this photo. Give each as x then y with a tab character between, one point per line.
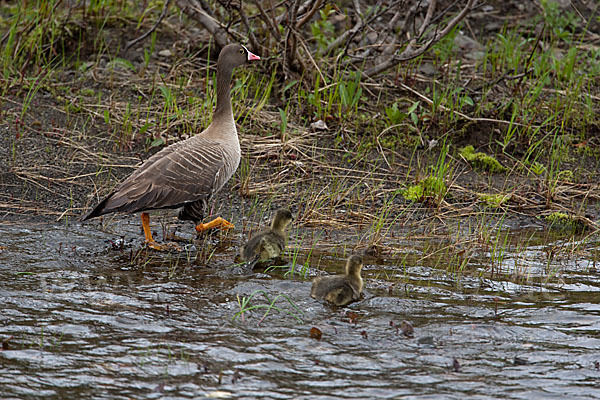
87	322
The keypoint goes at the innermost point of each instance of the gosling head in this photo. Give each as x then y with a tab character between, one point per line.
354	265
283	217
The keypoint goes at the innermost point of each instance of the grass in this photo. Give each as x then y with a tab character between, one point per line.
246	306
388	159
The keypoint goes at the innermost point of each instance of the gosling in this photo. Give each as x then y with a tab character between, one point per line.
340	290
269	244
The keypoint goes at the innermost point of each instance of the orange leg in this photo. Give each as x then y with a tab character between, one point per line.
215	223
148	235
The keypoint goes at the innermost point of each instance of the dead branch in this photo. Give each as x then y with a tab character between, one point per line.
309	14
290	40
158	21
409	53
195	10
253	40
357	27
268	21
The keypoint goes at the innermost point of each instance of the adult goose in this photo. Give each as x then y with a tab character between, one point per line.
186	174
270	243
340	290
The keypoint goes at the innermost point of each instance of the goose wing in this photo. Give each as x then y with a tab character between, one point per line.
182	173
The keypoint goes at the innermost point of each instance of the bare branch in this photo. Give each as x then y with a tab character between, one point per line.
342	38
300	10
158	21
195	10
267	20
290	50
424	25
253	40
309	14
409	53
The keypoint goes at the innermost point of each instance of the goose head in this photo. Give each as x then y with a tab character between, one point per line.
234	55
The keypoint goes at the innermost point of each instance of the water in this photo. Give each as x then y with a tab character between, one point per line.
87	322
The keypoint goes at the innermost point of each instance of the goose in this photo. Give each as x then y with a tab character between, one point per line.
340	290
270	243
186	174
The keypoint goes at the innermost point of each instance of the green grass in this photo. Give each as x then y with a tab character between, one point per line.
530	100
246	306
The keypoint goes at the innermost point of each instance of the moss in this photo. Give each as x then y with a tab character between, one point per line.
493	200
481	161
564	222
566	175
431	186
87	92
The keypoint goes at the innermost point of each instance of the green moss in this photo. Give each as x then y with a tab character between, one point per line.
566	175
564	222
431	186
481	161
87	92
558	217
493	200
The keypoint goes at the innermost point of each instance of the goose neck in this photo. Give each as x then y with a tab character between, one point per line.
223	109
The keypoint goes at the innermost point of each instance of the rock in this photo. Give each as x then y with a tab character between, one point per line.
320	125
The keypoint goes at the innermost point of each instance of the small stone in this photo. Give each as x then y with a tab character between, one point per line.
320	125
165	53
426	340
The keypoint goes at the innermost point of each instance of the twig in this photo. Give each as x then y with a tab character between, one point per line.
309	14
158	21
197	12
253	40
267	20
409	54
290	39
357	27
443	108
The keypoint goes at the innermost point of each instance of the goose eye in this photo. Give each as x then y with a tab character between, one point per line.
241	51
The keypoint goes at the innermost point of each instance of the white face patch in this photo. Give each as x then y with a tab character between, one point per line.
251	56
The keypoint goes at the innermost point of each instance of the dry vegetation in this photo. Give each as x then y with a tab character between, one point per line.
358	116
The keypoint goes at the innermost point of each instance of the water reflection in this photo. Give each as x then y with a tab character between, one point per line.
83	321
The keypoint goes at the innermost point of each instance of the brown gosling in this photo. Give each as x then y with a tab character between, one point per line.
340	290
269	244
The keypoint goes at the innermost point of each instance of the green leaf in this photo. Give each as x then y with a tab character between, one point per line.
121	62
413	107
289	85
144	128
414	118
157	142
166	92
